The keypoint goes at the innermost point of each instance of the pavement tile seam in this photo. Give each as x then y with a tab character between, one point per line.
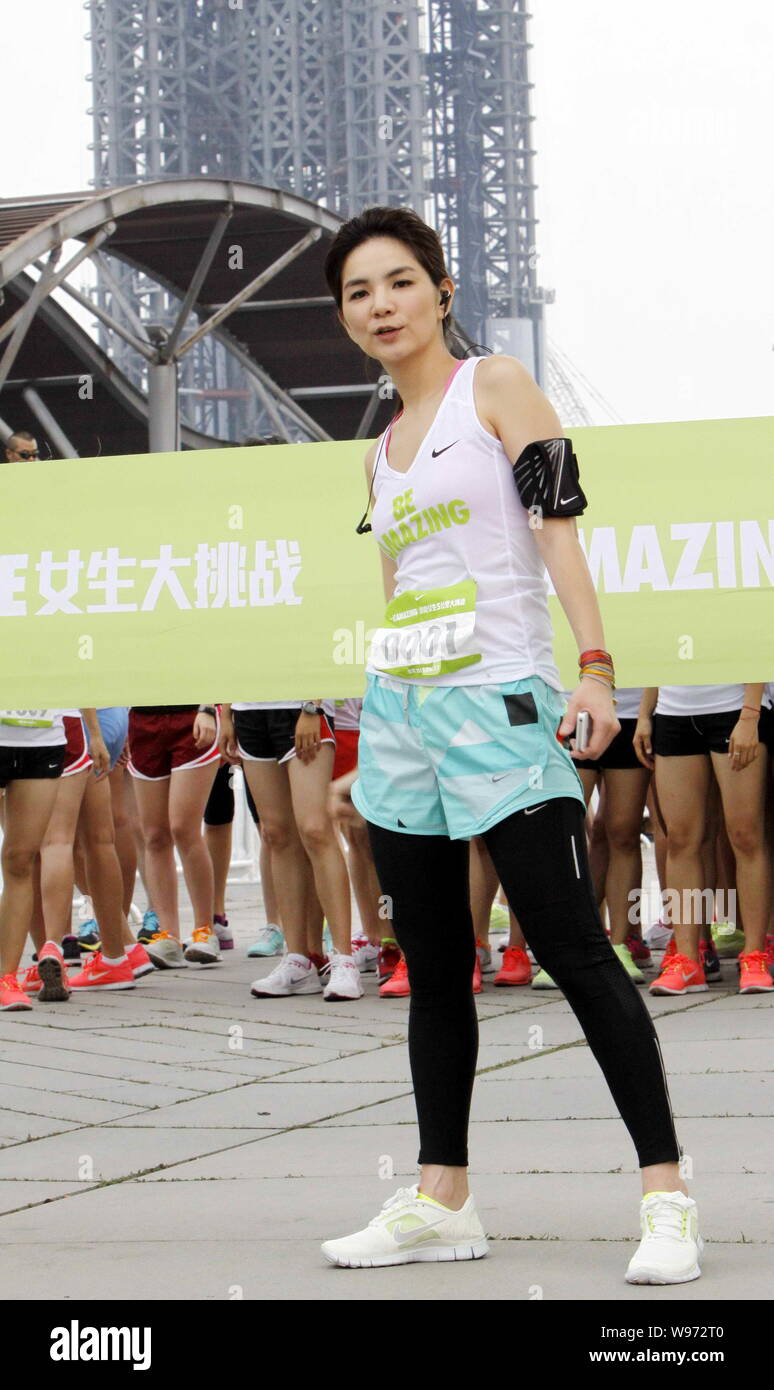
201	1066
103	1076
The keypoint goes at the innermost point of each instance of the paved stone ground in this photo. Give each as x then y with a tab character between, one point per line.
145	1154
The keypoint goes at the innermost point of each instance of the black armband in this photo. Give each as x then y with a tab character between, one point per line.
547	478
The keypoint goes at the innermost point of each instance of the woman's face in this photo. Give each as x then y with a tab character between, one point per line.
389	305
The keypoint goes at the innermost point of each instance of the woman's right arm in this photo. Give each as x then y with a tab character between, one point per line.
643	733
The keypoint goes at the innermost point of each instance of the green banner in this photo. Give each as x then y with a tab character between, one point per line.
237	573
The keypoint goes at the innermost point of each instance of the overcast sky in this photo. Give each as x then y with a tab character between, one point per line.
653	134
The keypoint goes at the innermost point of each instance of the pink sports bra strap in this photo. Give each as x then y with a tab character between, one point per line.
449	381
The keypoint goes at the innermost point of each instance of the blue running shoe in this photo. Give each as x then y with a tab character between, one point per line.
150	927
270	942
88	935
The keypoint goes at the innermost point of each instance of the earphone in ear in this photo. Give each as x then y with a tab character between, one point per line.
445	297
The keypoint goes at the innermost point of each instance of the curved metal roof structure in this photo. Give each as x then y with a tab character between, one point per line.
230	251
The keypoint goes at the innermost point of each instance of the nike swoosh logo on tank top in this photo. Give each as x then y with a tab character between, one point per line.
436	452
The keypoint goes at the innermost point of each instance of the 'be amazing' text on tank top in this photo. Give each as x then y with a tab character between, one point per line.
470	602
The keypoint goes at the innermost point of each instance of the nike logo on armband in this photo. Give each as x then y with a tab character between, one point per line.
436	452
564	500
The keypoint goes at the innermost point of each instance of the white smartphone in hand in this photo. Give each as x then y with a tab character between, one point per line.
582	731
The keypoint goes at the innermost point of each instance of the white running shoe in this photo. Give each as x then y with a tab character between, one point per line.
291	976
411	1229
658	936
165	951
204	946
671	1245
364	954
343	980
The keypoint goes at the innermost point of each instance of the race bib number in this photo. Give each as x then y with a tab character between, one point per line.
28	718
430	633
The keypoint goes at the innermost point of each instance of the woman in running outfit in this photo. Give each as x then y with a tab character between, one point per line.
459	737
287	749
32	753
693	733
173	759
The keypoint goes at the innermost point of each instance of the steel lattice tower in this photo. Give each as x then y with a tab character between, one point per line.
423	103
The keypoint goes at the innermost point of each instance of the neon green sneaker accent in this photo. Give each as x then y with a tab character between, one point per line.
729	941
543	981
499	918
633	971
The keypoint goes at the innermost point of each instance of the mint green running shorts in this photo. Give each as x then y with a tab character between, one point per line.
455	760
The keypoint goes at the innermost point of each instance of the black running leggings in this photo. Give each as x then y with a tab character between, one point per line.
540	858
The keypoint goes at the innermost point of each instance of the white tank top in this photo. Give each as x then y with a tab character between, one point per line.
701	699
31	728
470	603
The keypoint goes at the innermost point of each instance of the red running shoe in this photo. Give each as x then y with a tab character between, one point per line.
638	950
51	968
389	955
515	969
680	975
97	975
754	973
477	982
397	985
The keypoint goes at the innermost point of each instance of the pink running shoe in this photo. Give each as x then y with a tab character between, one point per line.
139	960
754	973
397	986
53	973
11	997
515	969
97	975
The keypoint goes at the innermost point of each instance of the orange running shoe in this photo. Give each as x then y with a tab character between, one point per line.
397	987
52	971
680	975
477	982
670	952
11	997
754	973
97	975
515	969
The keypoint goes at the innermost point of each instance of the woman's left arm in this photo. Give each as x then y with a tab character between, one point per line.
511	403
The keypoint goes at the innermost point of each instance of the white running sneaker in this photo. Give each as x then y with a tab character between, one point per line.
364	954
165	951
658	936
343	980
671	1245
204	946
291	976
411	1229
